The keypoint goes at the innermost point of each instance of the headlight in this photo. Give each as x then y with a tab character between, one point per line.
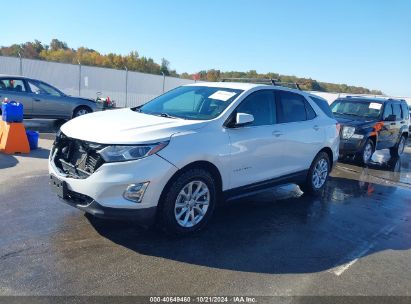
124	153
348	132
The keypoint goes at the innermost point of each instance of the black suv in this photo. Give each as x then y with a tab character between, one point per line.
369	124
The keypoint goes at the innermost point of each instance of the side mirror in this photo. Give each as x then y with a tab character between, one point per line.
391	117
243	119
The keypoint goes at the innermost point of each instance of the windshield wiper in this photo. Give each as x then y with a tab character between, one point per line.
166	115
349	114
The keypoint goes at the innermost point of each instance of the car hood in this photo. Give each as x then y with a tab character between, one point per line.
354	121
125	126
81	98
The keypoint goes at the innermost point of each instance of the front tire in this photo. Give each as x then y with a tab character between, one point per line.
188	202
317	175
398	149
80	111
367	152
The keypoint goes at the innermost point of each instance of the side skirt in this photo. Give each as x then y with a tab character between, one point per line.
251	189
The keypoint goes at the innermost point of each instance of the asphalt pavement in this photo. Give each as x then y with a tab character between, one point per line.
353	240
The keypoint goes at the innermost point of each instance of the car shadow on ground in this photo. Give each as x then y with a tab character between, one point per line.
278	231
7	161
37	153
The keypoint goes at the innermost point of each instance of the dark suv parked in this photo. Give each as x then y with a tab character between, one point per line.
369	124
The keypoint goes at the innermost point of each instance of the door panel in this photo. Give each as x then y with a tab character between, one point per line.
47	101
45	105
385	135
21	97
301	132
300	141
255	153
396	107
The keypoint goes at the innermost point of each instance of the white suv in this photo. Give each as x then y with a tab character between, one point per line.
173	158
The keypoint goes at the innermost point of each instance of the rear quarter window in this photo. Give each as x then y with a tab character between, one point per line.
323	105
405	110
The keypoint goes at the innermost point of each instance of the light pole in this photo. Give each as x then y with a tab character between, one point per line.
79	77
126	84
164	80
21	64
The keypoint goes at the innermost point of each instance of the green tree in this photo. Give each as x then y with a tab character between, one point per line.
164	68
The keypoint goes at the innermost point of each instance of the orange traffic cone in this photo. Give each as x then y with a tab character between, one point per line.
13	138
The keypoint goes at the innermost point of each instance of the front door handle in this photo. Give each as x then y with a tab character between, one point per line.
36	99
316	128
277	133
392	124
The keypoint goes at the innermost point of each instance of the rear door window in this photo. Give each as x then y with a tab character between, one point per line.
405	111
14	85
293	107
397	110
387	110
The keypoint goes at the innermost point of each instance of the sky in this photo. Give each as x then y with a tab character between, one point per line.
363	42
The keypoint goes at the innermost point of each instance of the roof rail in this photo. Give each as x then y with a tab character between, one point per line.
274	82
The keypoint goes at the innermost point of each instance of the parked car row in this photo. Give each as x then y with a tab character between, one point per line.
41	100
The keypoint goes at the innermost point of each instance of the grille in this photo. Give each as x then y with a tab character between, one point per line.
78	198
76	158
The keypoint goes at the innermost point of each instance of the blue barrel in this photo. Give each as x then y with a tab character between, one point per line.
33	138
12	111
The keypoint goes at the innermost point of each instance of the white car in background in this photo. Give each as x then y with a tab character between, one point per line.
172	159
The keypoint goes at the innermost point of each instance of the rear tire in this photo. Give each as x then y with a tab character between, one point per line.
183	211
317	175
399	147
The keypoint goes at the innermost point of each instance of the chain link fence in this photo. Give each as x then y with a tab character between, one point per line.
127	88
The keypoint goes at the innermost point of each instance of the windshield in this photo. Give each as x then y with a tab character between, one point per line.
364	109
191	102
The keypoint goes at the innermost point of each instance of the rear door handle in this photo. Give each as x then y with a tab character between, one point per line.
316	128
36	99
277	133
392	124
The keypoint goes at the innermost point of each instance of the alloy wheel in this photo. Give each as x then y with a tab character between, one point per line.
401	145
320	173
81	112
367	152
192	204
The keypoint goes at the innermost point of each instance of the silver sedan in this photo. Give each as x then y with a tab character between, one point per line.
41	100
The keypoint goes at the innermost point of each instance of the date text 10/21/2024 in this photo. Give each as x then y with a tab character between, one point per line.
203	299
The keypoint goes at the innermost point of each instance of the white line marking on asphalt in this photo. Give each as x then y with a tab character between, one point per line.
354	256
34	176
